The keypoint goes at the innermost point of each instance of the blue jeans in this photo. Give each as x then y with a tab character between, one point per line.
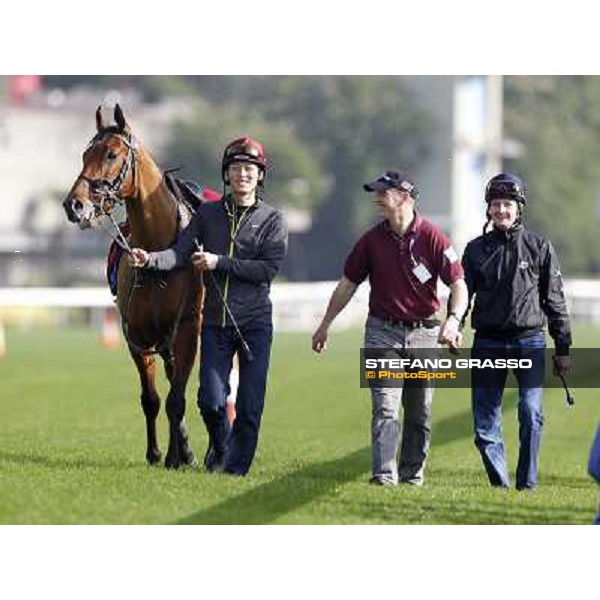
487	411
235	448
594	463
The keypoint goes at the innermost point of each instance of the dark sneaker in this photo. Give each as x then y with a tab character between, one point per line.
213	460
208	457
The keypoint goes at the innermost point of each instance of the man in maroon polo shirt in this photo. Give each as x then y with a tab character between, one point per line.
403	256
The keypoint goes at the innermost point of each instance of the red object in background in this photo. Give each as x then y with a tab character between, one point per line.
210	195
111	337
20	87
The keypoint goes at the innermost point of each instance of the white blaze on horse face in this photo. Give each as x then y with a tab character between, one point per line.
86	217
79	209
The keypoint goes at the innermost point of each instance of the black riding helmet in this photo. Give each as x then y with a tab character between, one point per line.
505	185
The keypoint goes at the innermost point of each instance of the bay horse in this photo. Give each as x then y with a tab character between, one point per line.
160	311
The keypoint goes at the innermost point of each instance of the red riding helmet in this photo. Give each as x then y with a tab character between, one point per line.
244	149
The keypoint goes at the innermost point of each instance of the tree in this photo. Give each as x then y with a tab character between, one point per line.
324	136
355	127
151	88
294	177
557	119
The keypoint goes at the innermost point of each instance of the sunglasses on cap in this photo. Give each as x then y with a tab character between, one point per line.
506	187
403	186
243	150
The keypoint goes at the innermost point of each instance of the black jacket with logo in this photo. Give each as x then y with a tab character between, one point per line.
517	284
250	242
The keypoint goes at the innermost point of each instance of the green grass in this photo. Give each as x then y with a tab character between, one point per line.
72	444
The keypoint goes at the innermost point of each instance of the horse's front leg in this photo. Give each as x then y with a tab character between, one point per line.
178	372
150	404
179	453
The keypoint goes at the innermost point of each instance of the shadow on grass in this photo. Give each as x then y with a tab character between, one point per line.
269	501
568	481
75	462
510	508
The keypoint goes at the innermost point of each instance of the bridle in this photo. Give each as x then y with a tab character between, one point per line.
110	191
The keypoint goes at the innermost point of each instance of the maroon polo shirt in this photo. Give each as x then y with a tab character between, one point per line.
389	259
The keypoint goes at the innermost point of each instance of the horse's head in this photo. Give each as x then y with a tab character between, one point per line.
108	176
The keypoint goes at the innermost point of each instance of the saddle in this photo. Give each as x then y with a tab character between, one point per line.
187	192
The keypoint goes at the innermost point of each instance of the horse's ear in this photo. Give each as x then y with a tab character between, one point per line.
99	119
120	118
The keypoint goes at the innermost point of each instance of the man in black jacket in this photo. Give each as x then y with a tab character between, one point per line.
515	278
243	242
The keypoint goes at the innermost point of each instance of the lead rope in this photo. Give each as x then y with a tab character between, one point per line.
120	239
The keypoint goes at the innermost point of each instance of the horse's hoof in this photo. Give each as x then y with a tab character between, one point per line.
153	458
172	463
191	461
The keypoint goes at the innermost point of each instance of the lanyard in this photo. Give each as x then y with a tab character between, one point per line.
410	252
411	243
234	228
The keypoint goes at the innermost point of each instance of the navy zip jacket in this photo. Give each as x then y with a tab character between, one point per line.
250	244
517	284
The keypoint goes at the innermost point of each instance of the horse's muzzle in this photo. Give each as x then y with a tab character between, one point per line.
78	211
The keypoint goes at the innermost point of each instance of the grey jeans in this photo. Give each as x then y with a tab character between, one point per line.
416	404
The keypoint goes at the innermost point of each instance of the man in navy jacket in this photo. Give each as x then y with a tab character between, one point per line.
241	241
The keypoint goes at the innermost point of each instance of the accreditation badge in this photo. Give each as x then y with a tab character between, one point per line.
421	273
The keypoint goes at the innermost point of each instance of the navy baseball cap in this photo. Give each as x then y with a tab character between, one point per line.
393	179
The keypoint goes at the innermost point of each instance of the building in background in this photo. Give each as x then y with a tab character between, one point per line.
466	149
43	134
